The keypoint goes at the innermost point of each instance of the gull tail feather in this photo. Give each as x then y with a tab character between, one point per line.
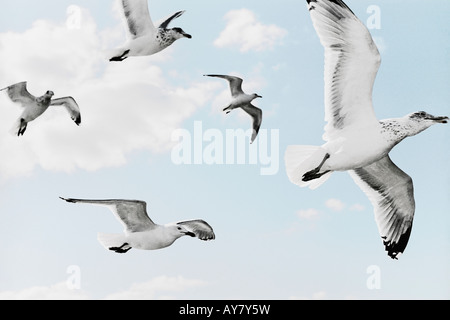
301	159
111	240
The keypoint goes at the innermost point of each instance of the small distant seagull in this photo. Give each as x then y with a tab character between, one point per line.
242	100
34	107
140	231
146	39
356	141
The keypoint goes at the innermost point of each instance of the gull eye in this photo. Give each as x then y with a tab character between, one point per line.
420	114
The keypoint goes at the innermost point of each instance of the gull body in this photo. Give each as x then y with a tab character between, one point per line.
140	232
144	38
33	107
355	140
242	100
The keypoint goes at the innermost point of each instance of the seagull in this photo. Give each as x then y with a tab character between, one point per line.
34	107
140	231
242	100
355	141
145	38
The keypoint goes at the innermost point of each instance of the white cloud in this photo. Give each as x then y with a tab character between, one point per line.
335	204
357	207
319	295
125	107
155	287
58	291
332	204
308	213
162	287
244	31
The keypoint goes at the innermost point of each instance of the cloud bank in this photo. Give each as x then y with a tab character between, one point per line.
58	291
125	107
163	287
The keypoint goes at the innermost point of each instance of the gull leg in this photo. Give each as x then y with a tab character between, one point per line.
22	127
120	58
314	174
121	248
228	109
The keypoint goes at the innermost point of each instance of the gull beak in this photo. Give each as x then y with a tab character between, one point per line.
186	35
438	119
258	96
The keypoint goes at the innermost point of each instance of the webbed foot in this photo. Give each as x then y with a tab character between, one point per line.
120	58
121	249
314	174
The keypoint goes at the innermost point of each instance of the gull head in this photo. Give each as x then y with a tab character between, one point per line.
178	33
426	118
178	231
256	96
49	94
420	121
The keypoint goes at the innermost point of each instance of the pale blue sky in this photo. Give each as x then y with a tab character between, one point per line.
267	245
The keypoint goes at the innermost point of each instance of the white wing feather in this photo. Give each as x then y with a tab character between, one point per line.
391	192
18	93
71	106
138	18
351	65
131	213
200	228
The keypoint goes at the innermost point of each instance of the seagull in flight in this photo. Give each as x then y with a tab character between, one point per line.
140	231
34	107
144	38
243	101
355	140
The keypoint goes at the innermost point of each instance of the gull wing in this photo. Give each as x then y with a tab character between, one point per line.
18	93
391	192
138	18
256	114
235	83
165	23
131	213
72	107
200	228
352	61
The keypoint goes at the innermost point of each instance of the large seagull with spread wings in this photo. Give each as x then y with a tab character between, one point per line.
356	141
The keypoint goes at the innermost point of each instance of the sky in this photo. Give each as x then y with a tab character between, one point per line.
153	129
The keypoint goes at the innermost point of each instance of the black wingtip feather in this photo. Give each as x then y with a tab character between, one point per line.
338	2
393	249
68	200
